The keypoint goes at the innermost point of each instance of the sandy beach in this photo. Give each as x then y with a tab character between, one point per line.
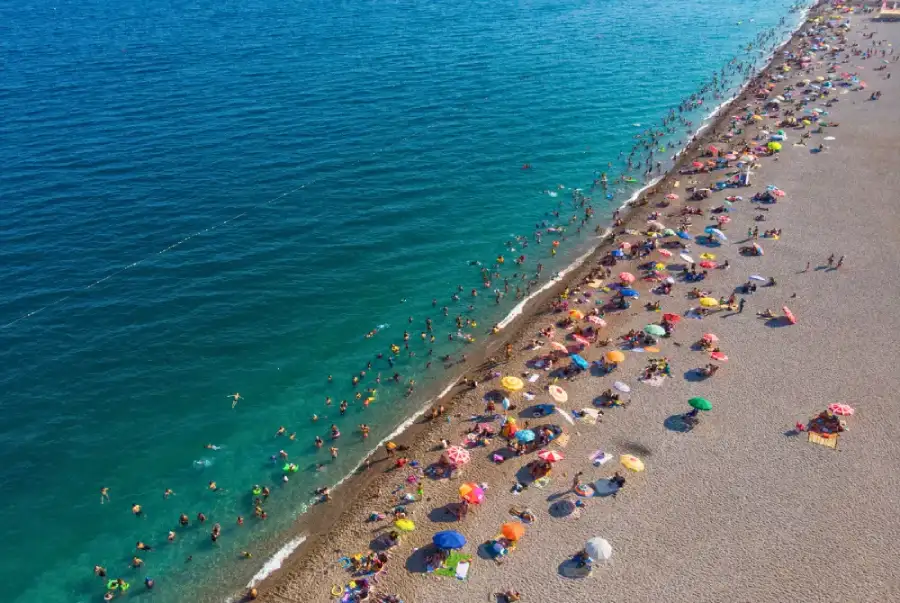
742	507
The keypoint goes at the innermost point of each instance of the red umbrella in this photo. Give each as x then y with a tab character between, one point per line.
719	356
697	164
597	321
789	315
551	456
708	264
841	409
456	456
710	337
665	253
672	319
626	277
581	340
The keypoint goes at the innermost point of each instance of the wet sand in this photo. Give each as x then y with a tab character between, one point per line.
735	509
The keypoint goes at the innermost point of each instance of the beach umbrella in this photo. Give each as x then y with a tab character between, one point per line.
669	232
697	164
719	356
626	277
618	253
672	197
845	410
707	256
683	235
615	356
757	277
551	456
625	245
686	258
627	292
759	249
471	493
700	403
598	548
525	436
629	461
774	146
622	387
580	362
708	264
654	330
581	339
576	314
449	539
672	319
709	302
723	219
512	384
555	345
597	321
717	233
456	456
405	525
789	315
665	253
710	337
558	393
512	531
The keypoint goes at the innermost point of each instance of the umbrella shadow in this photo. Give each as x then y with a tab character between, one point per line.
694	375
791	433
535	412
561	509
484	551
503	452
776	323
444	514
677	424
417	562
571	569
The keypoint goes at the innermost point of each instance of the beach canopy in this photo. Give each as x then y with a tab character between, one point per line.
512	531
449	539
700	403
405	525
629	461
672	319
655	330
719	356
709	302
551	456
598	548
615	356
844	410
626	277
622	387
513	384
626	292
471	493
558	393
525	436
580	363
456	456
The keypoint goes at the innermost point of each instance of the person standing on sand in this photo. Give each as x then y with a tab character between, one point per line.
741	305
840	263
830	260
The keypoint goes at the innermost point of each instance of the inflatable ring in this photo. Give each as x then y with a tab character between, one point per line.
337	591
257	491
345	562
111	585
583	490
125	586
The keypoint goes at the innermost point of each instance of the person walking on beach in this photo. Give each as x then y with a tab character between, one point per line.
840	262
830	260
741	305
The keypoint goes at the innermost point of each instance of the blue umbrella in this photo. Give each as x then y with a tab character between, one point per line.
449	539
525	436
709	229
683	235
629	292
618	253
581	362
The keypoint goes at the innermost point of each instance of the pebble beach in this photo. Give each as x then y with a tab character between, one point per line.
741	507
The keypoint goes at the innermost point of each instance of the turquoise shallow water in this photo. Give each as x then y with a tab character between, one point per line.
203	198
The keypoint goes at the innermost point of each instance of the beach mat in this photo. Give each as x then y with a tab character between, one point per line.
828	442
451	565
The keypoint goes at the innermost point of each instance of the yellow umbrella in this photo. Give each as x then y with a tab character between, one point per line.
513	384
709	302
820	78
660	266
632	462
774	146
405	525
757	117
615	356
707	256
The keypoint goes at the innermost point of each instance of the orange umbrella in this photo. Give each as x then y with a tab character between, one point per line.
512	531
471	493
615	356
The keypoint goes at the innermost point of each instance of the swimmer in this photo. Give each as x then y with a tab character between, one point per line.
171	536
137	510
183	520
104	495
142	547
212	486
136	562
201	517
293	436
240	520
318	442
320	467
281	431
246	555
169	492
100	571
334	452
315	418
234	399
283	454
149	583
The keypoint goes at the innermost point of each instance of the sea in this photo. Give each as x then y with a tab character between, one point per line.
199	199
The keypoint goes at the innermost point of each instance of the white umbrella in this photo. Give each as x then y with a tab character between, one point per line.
718	233
622	387
686	258
598	548
757	277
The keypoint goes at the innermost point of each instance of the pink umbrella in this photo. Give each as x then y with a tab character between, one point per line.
597	321
551	456
626	277
485	427
581	340
559	347
625	245
708	264
723	219
456	456
719	356
672	197
730	156
778	192
710	337
665	253
844	410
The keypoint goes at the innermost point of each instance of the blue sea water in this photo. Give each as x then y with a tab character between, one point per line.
202	198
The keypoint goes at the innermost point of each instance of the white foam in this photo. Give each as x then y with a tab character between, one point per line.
274	562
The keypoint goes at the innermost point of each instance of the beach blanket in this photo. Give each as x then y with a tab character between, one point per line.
590	416
563	440
451	565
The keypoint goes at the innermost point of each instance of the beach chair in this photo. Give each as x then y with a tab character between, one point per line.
823	439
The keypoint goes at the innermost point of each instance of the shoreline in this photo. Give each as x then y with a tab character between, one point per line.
519	321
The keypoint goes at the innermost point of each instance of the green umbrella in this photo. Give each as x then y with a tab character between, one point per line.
700	403
654	330
669	232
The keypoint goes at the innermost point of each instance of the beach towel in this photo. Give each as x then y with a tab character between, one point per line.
451	564
600	458
462	570
590	416
542	482
533	378
563	440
